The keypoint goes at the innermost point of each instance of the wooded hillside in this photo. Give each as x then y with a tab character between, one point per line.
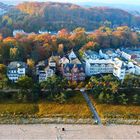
35	16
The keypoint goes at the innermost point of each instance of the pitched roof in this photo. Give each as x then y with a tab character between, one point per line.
17	64
52	59
75	61
69	67
72	55
64	60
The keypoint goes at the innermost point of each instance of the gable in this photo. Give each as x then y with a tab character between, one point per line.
72	55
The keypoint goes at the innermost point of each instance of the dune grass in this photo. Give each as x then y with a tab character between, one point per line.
15	108
75	107
118	111
108	111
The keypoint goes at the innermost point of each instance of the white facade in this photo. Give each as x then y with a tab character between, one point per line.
52	63
43	32
111	64
137	70
21	71
130	69
103	55
93	67
63	61
106	66
126	55
119	72
43	75
18	32
49	72
91	55
119	69
72	55
16	70
43	71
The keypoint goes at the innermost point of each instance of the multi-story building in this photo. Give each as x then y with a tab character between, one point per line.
130	54
46	69
91	55
130	68
108	53
74	72
71	68
126	55
103	55
15	32
117	62
16	70
44	74
119	69
41	66
52	63
63	60
93	67
95	64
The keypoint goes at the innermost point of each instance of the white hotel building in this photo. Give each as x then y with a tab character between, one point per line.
93	67
104	65
119	69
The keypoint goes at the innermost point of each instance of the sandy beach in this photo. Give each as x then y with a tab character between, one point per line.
72	132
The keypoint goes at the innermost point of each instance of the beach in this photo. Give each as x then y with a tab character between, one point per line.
71	132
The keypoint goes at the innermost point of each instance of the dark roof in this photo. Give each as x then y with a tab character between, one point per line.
71	66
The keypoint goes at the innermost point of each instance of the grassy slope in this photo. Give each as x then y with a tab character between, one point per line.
117	111
75	107
15	108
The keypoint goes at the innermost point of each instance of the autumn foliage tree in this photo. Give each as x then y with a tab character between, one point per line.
38	47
